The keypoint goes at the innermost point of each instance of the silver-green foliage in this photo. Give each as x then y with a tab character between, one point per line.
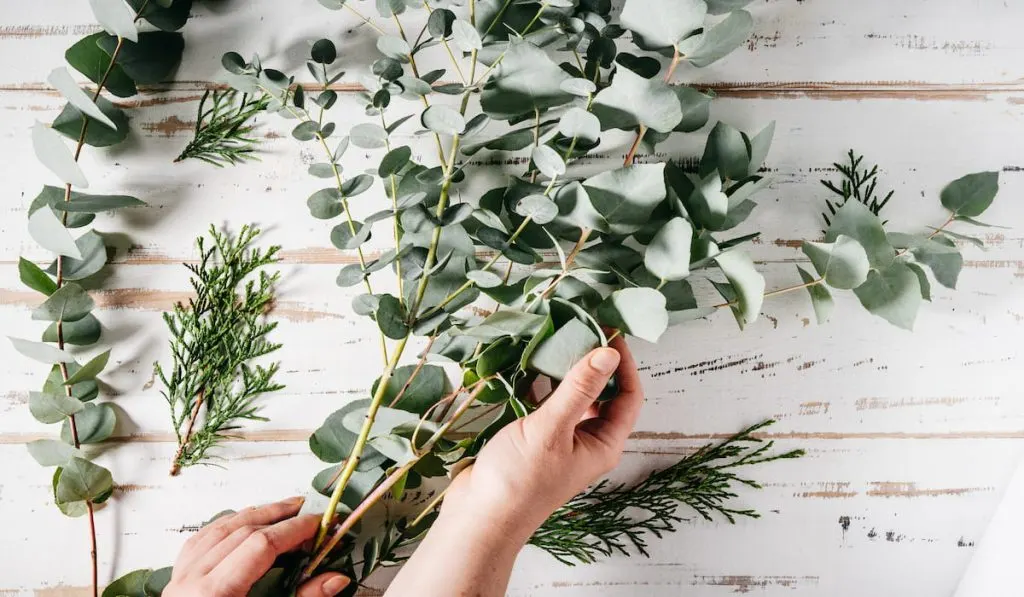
546	81
115	59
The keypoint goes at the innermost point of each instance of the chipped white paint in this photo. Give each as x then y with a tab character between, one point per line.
911	437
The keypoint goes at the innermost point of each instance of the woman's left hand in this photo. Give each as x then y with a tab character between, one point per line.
228	556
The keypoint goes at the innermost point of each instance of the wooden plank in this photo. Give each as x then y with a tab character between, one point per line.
945	41
910	513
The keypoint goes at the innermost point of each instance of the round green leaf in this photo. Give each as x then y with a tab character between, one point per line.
81	481
581	124
88	58
54	384
52	408
368	136
972	194
95	424
668	254
556	354
69	303
325	204
394	48
394	161
440	23
843	264
424	391
94	257
306	131
855	220
50	452
662	23
84	332
484	279
444	120
233	63
632	100
350	275
466	36
637	311
390	317
893	293
343	238
723	38
538	207
323	51
548	161
150	60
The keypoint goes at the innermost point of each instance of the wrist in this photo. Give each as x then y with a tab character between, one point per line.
494	531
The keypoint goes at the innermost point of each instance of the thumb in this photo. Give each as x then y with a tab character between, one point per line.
580	388
327	584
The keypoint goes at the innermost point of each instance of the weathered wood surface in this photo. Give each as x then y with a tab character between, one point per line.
911	437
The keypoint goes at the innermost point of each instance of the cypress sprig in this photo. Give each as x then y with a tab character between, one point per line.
611	519
223	133
856	183
214	341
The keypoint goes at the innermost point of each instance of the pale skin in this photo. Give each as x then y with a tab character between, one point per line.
529	469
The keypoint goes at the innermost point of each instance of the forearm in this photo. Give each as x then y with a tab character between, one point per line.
460	557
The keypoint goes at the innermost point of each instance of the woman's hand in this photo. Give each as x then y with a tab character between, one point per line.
228	556
538	463
529	469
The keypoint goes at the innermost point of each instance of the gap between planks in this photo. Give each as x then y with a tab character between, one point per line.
825	90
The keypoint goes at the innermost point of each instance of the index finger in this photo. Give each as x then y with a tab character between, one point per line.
254	557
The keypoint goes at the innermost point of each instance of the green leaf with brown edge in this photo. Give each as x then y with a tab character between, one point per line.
88	58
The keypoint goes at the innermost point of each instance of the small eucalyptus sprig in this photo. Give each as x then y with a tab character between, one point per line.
214	341
115	59
223	133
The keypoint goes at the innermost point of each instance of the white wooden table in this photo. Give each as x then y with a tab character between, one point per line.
910	437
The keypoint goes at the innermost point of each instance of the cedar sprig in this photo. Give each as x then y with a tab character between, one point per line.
223	129
214	340
611	519
856	183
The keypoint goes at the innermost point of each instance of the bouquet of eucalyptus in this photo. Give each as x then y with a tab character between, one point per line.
556	257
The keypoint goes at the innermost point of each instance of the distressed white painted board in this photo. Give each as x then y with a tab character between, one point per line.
911	437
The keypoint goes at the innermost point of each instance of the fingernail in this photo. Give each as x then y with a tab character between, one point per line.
295	501
605	360
335	585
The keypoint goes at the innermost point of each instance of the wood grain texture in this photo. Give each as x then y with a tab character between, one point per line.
911	437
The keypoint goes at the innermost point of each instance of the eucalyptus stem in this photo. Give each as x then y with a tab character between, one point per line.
772	293
394	220
536	17
72	423
364	18
357	450
381	490
416	73
631	154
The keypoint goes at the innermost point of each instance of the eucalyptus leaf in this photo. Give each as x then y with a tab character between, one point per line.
323	51
83	332
722	39
152	59
38	351
86	57
61	79
971	195
94	257
391	317
343	238
368	136
52	408
667	256
90	370
537	207
34	277
893	293
922	278
726	151
56	156
516	324
132	584
662	23
625	197
394	161
384	421
50	452
636	311
83	202
68	303
83	481
745	281
332	442
821	298
95	423
526	80
46	229
548	161
854	219
632	100
394	48
556	354
325	204
466	36
444	120
579	123
843	263
720	7
427	387
116	17
54	384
